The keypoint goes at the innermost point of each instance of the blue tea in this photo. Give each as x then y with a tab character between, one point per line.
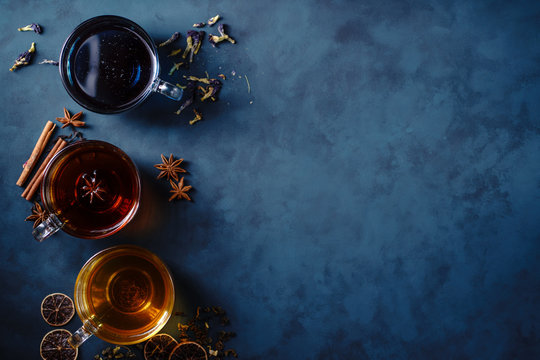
108	65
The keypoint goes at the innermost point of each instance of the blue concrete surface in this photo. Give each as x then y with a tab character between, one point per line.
379	199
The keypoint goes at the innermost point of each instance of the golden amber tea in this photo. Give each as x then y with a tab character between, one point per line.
124	295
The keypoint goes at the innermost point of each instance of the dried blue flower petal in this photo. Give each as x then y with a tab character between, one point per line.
210	92
173	38
32	27
47	61
24	58
199	25
213	20
194	42
198	117
214	39
189	94
175	52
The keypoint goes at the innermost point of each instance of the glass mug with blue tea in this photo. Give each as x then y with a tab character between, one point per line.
123	295
91	190
109	64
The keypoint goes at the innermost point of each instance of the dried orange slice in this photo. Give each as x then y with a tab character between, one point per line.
159	347
55	346
188	350
57	309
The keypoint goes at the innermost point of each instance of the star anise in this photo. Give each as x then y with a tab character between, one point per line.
68	119
38	214
179	190
169	167
93	188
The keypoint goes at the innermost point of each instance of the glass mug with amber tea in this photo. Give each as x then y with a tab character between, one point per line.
109	64
123	295
91	190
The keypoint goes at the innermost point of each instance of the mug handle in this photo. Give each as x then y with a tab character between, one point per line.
169	90
81	335
48	227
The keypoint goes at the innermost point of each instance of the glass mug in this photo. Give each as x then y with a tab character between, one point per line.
109	64
91	190
123	295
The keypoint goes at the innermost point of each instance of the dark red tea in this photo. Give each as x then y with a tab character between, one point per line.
93	187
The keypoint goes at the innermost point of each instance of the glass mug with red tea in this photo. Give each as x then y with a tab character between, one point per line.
91	190
109	64
123	295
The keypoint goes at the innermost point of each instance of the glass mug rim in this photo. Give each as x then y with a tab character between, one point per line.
154	85
58	156
100	257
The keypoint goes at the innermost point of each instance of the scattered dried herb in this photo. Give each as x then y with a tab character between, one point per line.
211	90
175	67
47	61
24	58
39	214
247	82
170	40
169	167
213	20
205	329
198	117
71	120
189	94
175	52
179	191
199	25
194	78
118	352
32	27
222	76
194	42
214	39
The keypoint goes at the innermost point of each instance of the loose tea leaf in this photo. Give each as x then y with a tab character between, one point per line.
199	25
32	27
172	39
38	214
118	352
24	58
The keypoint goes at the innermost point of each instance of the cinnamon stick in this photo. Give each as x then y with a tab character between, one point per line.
34	184
36	153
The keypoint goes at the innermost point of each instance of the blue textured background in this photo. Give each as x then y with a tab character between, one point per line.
380	198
